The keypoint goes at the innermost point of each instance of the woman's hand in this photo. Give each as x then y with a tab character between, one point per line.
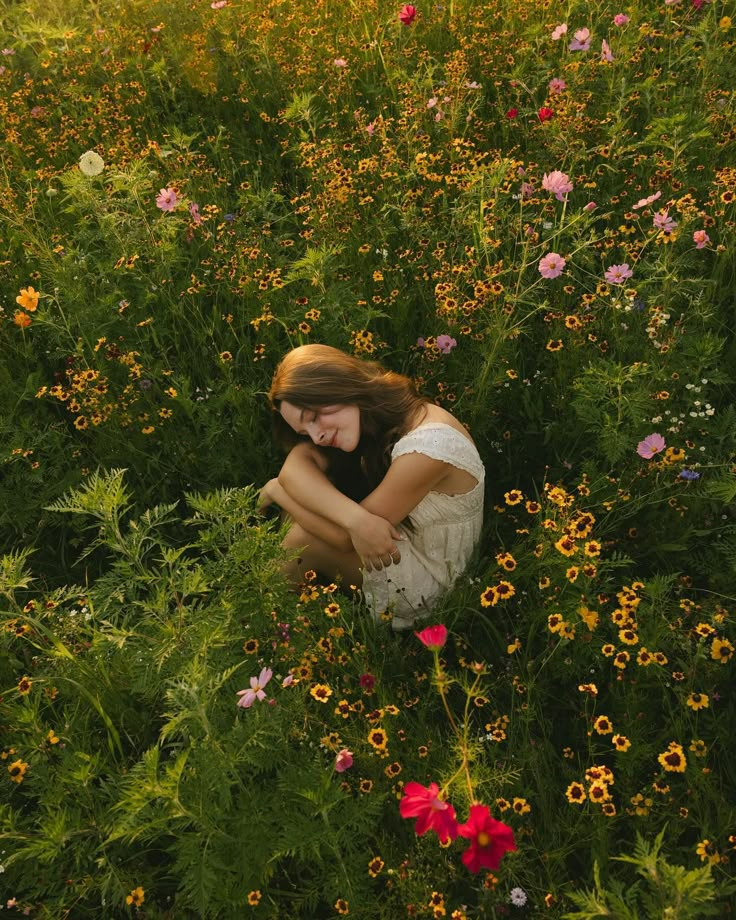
268	496
375	541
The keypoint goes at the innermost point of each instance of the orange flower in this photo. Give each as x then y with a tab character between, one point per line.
22	319
28	299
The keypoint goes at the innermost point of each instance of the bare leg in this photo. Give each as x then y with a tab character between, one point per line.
321	557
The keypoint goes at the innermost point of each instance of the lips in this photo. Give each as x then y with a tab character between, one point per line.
333	441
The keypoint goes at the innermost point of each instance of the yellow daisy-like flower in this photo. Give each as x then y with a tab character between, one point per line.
342	906
721	650
514	497
378	739
566	545
375	866
589	617
24	686
521	806
603	726
254	898
320	692
598	791
708	852
17	771
673	760
698	701
575	793
621	743
555	622
136	897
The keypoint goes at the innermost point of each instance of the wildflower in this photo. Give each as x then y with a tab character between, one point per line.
17	771
689	475
489	839
167	199
707	851
433	637
52	737
320	692
432	812
511	114
621	743
558	183
407	14
581	41
513	497
559	31
343	761
603	725
340	62
22	320
721	650
556	85
378	739
698	701
575	793
651	445
367	682
91	163
342	906
606	53
701	239
551	266
24	686
136	897
698	747
617	274
643	202
620	19
27	299
521	806
662	221
256	690
673	759
375	866
517	896
250	646
544	114
445	344
254	898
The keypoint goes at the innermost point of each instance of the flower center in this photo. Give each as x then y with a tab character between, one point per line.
483	839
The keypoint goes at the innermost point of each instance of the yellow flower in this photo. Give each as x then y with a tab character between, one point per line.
603	725
521	806
52	738
28	299
673	759
378	739
698	701
513	497
621	742
320	692
575	793
136	897
725	23
375	866
707	852
589	617
17	771
254	897
721	650
342	906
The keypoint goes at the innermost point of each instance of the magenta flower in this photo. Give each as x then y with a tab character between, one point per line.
489	839
167	199
551	265
367	682
617	274
701	239
407	14
544	114
651	445
511	114
432	812
343	761
255	691
581	42
445	343
620	19
590	206
558	183
434	637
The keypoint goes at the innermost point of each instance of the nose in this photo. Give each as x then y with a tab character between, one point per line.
315	432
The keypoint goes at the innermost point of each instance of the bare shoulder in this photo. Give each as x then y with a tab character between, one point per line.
433	413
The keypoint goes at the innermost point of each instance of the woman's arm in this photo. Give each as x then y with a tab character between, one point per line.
273	493
304	478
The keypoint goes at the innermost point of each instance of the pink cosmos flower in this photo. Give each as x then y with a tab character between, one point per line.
343	761
434	637
617	274
643	202
432	812
194	211
651	445
218	4
556	86
606	53
340	62
255	691
590	206
288	680
370	129
701	239
445	343
527	190
581	42
407	14
558	183
620	19
167	199
559	31
489	839
551	266
663	221
544	114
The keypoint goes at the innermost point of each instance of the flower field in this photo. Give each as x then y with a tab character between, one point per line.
531	210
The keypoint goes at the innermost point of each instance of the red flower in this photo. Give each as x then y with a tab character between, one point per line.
367	681
512	113
489	839
431	812
545	114
434	637
407	14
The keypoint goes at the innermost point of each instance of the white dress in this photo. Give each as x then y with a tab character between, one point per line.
446	531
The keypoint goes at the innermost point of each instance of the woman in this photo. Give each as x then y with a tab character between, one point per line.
384	488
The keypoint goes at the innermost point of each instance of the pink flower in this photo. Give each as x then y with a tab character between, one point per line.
551	266
556	86
407	14
489	839
606	53
343	761
445	343
255	691
581	42
194	211
434	637
558	183
218	4
701	239
288	680
431	812
617	274
527	190
370	129
650	446
167	199
544	114
590	206
643	202
620	19
511	114
663	221
340	62
559	32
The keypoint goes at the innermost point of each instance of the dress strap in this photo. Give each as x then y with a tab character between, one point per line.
442	442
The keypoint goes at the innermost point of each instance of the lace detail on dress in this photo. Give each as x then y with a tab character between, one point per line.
442	442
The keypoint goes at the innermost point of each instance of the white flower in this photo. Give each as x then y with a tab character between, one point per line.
91	163
518	897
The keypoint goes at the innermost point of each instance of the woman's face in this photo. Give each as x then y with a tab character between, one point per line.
328	426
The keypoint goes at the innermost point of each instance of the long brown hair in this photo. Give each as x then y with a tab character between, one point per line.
312	376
